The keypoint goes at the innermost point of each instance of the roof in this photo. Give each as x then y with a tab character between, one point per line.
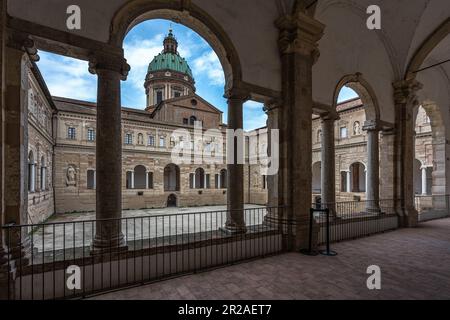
154	109
170	61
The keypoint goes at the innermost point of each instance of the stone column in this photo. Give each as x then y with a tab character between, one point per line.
373	167
405	101
298	37
146	179
328	171
424	181
132	180
32	177
349	182
235	162
275	213
95	179
110	71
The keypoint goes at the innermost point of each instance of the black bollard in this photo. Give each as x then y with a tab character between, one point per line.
309	251
328	252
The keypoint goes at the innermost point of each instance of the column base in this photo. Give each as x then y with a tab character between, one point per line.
373	210
301	234
408	218
102	246
230	229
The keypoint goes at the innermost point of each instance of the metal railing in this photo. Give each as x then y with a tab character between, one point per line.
432	207
355	219
45	256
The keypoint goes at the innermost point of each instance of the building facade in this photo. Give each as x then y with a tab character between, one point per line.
62	141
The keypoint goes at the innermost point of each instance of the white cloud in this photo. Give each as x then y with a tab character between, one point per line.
253	105
67	77
139	53
254	120
209	64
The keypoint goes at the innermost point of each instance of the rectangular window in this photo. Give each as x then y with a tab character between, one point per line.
71	133
150	180
343	132
185	121
191	180
162	142
172	142
264	178
91	135
128	138
208	182
151	141
176	94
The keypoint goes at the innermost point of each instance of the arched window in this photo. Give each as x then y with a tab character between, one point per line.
91	179
223	179
199	178
31	172
192	120
358	177
172	178
43	175
140	177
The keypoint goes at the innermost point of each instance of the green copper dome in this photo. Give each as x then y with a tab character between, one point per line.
170	61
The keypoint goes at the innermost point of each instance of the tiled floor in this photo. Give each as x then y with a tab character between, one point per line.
415	264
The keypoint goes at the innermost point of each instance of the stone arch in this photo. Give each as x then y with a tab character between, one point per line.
140	177
357	83
438	134
357	177
172	201
431	42
417	176
188	14
223	179
199	178
31	171
172	177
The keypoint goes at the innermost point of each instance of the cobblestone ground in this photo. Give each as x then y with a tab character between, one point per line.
415	264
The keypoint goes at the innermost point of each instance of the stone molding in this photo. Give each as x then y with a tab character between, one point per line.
299	33
405	92
23	42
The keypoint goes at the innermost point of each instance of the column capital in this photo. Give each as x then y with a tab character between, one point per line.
272	105
299	33
23	42
102	61
237	94
371	125
329	117
405	92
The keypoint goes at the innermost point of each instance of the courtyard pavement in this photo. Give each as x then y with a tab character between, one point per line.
71	230
415	264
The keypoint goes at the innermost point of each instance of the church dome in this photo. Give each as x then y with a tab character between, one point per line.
170	61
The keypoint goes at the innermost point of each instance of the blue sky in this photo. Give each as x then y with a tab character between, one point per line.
70	78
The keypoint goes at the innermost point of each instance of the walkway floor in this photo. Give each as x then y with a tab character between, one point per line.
415	264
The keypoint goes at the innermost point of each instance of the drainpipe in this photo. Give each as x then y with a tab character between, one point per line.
55	133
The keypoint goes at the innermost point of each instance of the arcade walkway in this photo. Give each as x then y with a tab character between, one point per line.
415	264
